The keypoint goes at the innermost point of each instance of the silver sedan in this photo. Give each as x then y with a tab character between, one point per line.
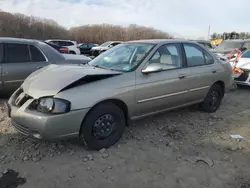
20	57
132	80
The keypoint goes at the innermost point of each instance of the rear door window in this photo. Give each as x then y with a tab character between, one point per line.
208	58
1	53
84	46
194	55
65	43
90	45
36	54
18	53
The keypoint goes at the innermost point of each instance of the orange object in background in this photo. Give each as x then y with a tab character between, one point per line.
237	70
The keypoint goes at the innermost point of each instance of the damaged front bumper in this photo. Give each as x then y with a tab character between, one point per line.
43	126
244	78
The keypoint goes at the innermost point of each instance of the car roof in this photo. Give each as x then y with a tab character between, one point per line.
160	41
18	40
60	40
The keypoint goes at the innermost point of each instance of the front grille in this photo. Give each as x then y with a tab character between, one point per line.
243	77
20	128
21	99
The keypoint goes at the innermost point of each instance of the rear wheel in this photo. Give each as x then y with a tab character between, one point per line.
103	126
213	99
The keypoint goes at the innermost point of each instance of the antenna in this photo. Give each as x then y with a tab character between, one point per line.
208	34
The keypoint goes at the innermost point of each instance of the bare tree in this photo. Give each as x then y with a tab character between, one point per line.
22	26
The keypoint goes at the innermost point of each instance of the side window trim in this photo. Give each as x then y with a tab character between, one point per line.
181	55
198	47
2	53
46	59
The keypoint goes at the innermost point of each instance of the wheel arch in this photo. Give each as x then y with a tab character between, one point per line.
221	84
121	104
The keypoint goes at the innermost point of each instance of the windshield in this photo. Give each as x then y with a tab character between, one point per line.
246	54
123	57
105	44
229	45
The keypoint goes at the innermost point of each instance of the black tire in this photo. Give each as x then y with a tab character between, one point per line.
213	99
98	119
72	52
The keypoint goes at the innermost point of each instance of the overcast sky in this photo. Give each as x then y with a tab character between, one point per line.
186	18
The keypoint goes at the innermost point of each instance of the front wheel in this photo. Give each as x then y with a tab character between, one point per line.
213	99
103	126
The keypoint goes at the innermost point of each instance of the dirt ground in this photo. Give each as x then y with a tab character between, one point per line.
183	148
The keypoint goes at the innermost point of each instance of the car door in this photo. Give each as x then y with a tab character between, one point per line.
200	72
84	48
161	90
1	63
21	61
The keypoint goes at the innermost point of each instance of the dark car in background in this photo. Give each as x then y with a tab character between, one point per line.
85	48
63	50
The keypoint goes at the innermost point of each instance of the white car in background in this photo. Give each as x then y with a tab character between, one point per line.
244	64
71	45
95	51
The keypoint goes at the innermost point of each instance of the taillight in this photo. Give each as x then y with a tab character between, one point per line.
64	50
78	47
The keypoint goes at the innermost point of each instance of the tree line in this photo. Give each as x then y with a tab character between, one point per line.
22	26
242	35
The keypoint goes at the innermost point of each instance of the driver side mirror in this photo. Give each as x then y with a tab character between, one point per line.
153	67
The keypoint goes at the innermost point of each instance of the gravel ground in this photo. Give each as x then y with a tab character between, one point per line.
183	148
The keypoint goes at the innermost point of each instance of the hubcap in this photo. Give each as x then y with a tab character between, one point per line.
214	99
104	126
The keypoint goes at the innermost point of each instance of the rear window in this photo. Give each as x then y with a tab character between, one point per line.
18	53
36	54
1	53
65	43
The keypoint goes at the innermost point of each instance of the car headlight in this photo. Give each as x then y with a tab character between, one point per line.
53	105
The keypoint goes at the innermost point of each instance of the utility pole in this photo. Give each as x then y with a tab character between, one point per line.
208	34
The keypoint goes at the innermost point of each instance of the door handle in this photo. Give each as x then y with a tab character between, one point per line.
181	76
214	71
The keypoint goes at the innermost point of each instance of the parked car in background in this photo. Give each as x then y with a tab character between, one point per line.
95	51
21	57
244	65
85	48
71	45
130	81
227	46
205	43
63	50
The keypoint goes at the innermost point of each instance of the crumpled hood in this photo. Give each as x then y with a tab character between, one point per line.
243	63
51	79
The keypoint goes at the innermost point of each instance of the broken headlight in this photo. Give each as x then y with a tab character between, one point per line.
53	105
